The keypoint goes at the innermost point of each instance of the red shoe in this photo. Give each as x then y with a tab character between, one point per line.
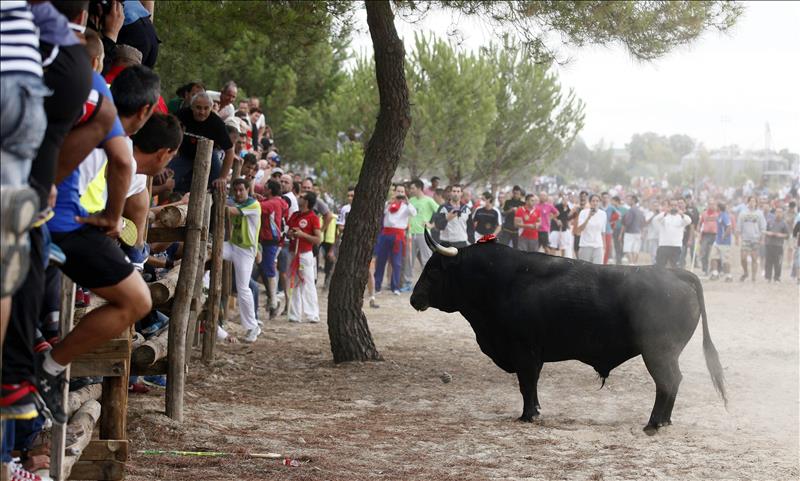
80	300
138	388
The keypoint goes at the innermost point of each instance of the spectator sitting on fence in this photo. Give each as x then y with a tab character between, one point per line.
93	259
200	121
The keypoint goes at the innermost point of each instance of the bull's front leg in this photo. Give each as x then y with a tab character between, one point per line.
528	368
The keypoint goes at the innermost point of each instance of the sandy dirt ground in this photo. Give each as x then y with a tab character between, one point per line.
398	420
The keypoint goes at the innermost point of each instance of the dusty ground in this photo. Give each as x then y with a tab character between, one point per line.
397	420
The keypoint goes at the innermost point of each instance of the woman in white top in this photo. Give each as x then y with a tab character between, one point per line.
591	225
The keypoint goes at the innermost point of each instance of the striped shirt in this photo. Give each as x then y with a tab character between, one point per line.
19	42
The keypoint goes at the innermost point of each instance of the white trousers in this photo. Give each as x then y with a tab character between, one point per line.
304	305
242	260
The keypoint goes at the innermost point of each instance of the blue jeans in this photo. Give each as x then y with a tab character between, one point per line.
384	252
183	168
22	125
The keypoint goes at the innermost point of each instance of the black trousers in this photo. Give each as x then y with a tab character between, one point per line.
668	256
26	306
772	264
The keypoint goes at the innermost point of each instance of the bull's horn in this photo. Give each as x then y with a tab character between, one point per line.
436	247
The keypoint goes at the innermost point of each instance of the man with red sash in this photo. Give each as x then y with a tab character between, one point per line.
392	239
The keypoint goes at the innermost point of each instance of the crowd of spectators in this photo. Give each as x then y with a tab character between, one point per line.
91	151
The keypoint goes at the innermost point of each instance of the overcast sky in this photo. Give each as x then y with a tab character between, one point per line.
722	89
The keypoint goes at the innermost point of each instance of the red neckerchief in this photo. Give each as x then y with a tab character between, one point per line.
395	206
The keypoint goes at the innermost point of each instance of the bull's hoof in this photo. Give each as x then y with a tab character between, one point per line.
650	430
529	418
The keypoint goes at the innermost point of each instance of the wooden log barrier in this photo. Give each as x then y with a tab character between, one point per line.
163	289
78	398
173	215
151	350
176	375
83	420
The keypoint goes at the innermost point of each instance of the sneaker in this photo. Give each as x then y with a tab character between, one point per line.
396	292
729	278
18	209
743	277
80	299
18	401
155	381
273	312
19	473
51	391
57	256
373	304
405	289
252	335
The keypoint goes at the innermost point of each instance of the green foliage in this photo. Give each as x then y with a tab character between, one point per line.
309	132
535	122
340	169
648	29
658	151
452	104
289	53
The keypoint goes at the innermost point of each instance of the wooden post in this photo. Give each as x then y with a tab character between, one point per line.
196	305
176	373
114	401
59	439
215	286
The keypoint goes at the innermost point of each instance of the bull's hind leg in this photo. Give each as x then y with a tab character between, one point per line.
528	368
536	391
666	373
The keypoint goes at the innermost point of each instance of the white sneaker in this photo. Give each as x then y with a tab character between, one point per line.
222	334
252	335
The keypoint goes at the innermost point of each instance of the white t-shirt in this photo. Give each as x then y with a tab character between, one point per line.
456	230
293	205
399	219
671	227
94	165
592	235
226	111
343	214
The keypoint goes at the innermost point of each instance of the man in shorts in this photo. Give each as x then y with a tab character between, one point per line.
93	258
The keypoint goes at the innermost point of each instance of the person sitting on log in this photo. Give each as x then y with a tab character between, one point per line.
93	259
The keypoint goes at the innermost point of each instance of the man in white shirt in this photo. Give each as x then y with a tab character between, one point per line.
591	227
392	240
670	235
226	97
457	215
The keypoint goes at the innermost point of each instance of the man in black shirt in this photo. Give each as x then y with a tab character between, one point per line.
486	220
199	120
508	236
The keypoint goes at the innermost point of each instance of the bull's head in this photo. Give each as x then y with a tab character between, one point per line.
435	286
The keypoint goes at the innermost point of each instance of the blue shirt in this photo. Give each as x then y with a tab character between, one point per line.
609	211
723	222
53	26
99	84
68	203
134	11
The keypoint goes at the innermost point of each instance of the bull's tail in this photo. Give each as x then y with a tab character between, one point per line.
710	352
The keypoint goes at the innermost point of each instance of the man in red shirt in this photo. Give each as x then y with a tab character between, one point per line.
527	219
274	213
305	232
708	233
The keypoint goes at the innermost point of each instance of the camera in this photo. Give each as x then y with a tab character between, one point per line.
673	211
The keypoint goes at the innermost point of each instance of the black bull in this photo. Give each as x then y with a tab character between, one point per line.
528	308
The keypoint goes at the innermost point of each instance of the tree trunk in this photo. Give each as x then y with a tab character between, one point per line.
349	333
